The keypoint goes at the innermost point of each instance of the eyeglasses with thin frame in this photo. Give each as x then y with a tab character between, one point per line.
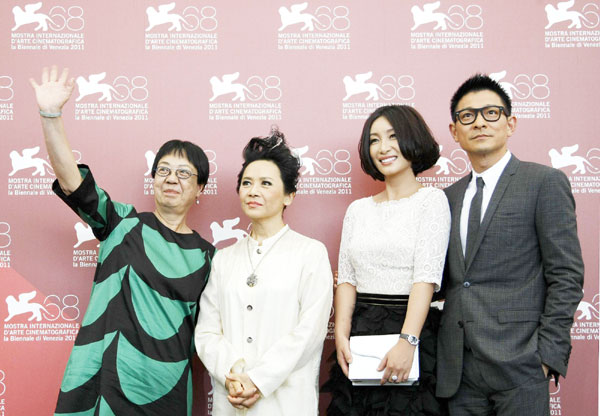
489	113
179	172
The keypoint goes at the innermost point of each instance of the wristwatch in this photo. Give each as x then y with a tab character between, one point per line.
412	340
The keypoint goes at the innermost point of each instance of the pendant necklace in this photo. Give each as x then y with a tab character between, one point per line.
252	280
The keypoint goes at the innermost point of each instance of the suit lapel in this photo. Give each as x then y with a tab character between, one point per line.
501	186
455	242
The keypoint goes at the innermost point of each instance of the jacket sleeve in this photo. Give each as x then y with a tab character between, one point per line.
556	227
93	205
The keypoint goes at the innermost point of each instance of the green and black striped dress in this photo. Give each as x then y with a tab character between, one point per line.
133	353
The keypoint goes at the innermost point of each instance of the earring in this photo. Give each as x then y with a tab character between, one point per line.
197	201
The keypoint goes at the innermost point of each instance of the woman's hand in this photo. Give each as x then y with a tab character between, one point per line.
54	91
397	362
344	356
234	388
242	391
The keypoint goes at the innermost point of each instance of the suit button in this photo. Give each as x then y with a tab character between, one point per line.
249	340
249	307
461	324
466	284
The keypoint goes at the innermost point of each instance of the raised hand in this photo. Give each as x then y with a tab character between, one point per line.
54	91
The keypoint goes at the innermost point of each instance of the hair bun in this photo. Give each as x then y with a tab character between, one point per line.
267	143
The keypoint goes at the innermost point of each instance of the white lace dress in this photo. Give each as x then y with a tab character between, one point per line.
385	248
388	246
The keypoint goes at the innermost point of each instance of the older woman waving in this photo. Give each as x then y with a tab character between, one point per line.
134	349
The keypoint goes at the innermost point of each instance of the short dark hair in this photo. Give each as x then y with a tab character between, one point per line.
273	148
415	140
479	82
190	151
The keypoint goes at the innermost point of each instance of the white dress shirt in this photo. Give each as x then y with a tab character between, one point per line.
490	176
273	331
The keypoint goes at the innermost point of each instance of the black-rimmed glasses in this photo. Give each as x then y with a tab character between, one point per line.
489	113
180	172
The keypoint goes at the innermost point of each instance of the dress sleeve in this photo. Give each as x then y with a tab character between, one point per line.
346	273
93	205
215	351
432	240
295	349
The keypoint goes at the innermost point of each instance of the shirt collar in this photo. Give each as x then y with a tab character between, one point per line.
267	242
491	176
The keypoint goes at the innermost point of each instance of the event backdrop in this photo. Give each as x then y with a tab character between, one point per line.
218	72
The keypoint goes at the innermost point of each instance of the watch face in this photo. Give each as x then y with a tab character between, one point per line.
412	340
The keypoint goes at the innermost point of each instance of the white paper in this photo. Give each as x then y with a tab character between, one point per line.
367	353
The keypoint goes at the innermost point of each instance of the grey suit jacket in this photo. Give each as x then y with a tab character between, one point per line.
515	297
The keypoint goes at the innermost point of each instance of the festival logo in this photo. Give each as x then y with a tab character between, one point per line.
450	168
26	160
32	180
85	257
571	26
309	28
83	233
211	187
529	94
586	325
331	323
49	319
555	399
583	171
364	93
28	174
148	180
5	241
3	401
24	306
226	231
454	27
6	98
125	98
325	173
39	28
173	28
210	394
256	98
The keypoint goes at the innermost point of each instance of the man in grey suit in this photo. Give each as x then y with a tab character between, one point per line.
514	271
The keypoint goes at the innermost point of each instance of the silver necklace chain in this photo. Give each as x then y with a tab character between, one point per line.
252	280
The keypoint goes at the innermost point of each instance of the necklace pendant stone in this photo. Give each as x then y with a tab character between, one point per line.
252	280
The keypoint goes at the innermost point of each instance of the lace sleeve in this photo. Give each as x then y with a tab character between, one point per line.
346	272
432	240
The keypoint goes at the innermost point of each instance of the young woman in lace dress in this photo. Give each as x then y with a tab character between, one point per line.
391	261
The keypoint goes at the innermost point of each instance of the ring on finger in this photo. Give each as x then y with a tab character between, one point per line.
394	378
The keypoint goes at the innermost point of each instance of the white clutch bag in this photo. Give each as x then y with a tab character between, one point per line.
367	352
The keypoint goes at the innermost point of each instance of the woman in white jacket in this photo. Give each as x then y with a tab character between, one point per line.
265	309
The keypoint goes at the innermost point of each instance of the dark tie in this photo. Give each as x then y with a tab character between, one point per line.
474	217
